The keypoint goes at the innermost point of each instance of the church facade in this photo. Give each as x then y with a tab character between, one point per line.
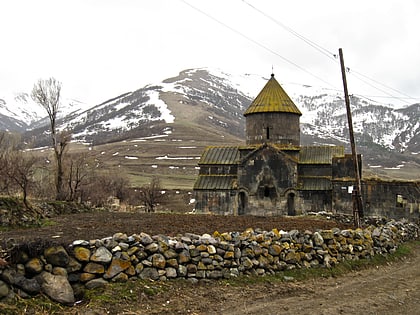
272	174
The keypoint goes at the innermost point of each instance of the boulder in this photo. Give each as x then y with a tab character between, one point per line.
4	289
158	261
149	273
81	253
94	268
34	266
96	283
117	265
318	239
101	255
57	288
30	286
56	256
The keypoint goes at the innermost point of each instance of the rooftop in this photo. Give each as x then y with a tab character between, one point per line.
272	98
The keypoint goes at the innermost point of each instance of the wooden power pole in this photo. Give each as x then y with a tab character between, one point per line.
357	191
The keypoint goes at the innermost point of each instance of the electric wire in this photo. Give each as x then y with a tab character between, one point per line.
256	43
357	75
384	85
333	56
311	43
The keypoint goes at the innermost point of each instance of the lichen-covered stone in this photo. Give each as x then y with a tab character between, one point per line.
121	277
101	255
117	265
171	272
81	253
274	249
95	268
56	256
86	276
73	265
60	271
190	256
145	239
34	266
152	248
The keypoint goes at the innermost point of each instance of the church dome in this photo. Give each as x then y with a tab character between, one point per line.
272	117
272	98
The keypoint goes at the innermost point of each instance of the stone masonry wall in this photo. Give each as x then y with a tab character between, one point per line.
63	273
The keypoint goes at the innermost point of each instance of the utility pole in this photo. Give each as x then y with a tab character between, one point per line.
357	192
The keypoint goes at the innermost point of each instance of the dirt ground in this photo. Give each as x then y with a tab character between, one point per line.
94	225
389	289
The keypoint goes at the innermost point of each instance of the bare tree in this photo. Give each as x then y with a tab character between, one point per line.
151	194
8	145
20	169
47	94
79	170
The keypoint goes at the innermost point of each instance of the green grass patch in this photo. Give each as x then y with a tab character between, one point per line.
47	222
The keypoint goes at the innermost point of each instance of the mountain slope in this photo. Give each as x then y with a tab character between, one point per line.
206	106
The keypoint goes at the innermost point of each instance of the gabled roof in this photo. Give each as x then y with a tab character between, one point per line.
320	154
215	182
315	183
254	149
272	98
220	155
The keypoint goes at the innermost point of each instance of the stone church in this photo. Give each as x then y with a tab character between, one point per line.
273	174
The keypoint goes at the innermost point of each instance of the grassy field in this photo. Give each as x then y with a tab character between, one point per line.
172	156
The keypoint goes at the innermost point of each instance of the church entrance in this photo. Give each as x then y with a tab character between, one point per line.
291	204
242	203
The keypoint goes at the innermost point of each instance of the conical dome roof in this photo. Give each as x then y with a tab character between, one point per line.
272	98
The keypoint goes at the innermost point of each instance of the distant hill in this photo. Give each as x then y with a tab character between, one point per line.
177	118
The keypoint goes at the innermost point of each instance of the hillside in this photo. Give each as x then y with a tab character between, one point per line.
162	129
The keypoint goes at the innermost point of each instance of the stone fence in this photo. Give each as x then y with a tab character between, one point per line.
64	272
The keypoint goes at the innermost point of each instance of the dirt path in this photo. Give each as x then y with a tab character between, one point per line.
391	289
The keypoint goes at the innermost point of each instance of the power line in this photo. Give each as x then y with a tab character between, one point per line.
386	86
311	43
256	43
331	55
357	75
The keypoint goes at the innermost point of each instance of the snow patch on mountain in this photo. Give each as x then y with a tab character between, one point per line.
226	96
20	106
161	106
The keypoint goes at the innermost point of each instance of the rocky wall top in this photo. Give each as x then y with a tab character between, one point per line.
63	272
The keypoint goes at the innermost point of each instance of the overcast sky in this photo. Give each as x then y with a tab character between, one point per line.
99	49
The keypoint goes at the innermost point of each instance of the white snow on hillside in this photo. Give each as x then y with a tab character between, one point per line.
323	109
20	106
161	106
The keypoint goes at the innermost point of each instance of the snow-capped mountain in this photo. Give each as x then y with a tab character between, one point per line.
214	101
19	113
